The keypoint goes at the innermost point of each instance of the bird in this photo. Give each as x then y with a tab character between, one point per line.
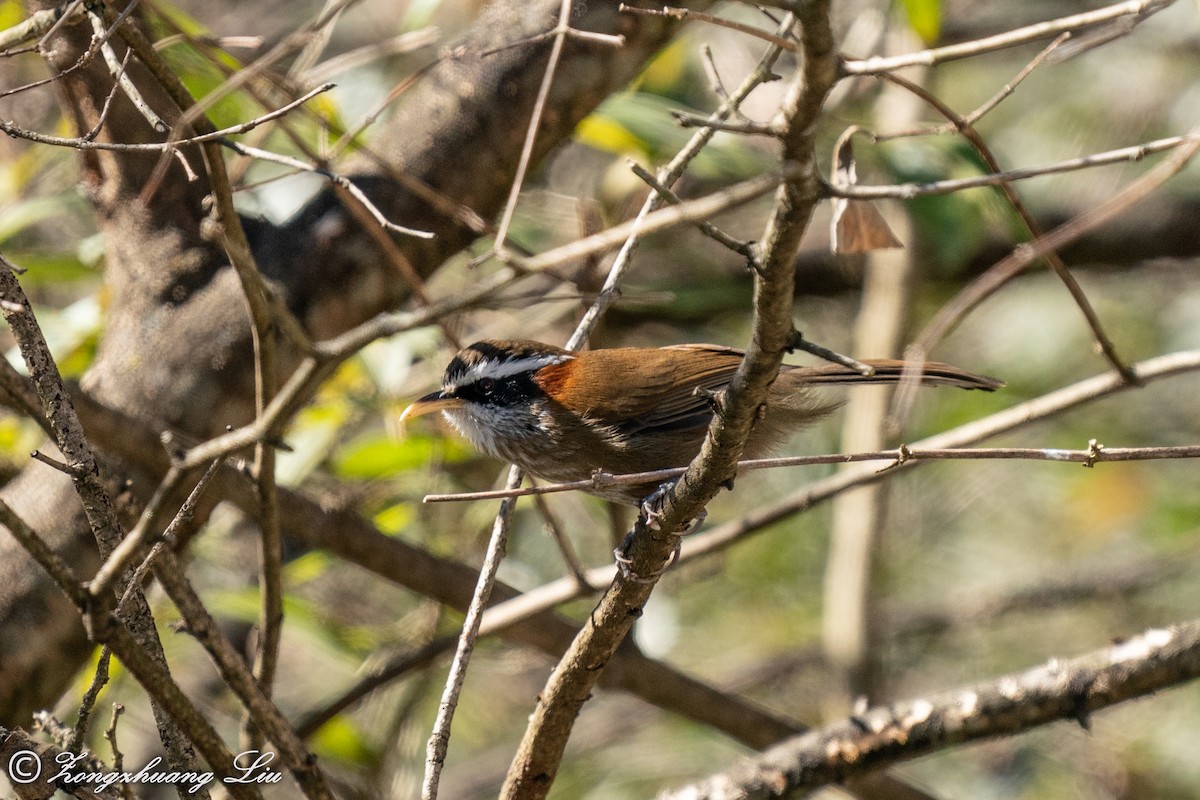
563	415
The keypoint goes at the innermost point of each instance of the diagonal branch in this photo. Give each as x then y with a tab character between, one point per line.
1051	257
985	285
1059	690
101	515
573	679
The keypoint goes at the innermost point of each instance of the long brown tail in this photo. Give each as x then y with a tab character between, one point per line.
889	370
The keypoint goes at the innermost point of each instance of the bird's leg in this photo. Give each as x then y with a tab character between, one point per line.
652	505
652	509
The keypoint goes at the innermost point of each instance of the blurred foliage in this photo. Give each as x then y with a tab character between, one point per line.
973	215
925	18
639	124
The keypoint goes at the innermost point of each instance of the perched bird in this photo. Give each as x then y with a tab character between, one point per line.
562	415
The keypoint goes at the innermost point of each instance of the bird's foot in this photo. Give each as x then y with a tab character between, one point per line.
652	509
625	563
652	505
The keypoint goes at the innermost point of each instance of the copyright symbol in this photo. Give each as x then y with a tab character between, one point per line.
24	767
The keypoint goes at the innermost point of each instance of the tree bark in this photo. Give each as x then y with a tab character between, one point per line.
176	350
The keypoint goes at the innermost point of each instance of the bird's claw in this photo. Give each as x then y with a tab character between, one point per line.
625	563
652	505
653	510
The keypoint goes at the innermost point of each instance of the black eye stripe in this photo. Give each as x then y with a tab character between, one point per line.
503	392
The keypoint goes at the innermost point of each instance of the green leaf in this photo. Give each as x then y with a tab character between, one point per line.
379	456
394	518
307	567
954	226
51	269
642	124
341	739
925	18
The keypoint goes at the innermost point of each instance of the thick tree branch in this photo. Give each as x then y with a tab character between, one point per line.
1060	690
176	349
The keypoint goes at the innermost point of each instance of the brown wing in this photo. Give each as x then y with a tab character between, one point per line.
641	394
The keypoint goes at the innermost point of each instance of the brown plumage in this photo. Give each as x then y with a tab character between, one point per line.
562	415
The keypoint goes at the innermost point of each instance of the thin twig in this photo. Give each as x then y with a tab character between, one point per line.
117	68
108	101
744	249
910	191
687	120
688	211
800	343
186	513
611	40
535	122
439	739
1051	257
118	758
137	538
901	455
1008	88
1003	93
66	469
88	702
690	14
86	142
981	288
1018	36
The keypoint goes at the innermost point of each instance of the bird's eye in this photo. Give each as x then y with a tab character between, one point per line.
486	385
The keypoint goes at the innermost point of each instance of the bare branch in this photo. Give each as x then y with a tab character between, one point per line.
1139	9
902	455
535	121
909	191
122	79
1025	255
439	739
1060	690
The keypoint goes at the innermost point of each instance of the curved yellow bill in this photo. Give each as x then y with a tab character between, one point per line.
434	401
